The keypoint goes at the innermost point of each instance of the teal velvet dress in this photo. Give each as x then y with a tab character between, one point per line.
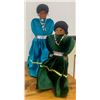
38	51
53	72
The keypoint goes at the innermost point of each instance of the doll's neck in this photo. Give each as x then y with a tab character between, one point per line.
42	19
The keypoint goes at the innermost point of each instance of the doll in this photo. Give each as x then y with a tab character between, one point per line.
41	27
53	71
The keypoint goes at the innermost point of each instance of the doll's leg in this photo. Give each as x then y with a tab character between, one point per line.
64	81
43	80
55	79
60	85
64	87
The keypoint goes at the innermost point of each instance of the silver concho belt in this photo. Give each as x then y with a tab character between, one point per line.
41	37
56	53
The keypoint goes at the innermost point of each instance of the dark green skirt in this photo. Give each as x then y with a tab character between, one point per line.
53	74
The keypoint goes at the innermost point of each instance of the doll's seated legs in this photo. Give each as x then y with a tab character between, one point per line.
56	83
64	86
60	84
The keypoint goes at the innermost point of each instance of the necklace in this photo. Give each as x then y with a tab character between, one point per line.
58	43
42	22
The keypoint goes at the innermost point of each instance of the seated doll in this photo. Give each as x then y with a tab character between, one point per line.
41	27
53	72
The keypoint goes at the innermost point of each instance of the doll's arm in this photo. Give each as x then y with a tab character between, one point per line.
70	46
48	45
33	26
50	27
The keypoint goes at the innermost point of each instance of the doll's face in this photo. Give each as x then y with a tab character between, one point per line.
59	31
42	14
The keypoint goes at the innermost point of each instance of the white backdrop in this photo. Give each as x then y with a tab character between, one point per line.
58	11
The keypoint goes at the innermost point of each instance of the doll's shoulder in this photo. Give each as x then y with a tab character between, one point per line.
35	20
69	39
50	20
70	43
67	42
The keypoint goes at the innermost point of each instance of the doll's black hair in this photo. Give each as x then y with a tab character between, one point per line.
42	7
63	25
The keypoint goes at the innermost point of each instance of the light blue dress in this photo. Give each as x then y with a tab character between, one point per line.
38	52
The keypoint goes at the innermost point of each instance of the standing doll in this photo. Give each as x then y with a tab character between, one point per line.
54	71
41	27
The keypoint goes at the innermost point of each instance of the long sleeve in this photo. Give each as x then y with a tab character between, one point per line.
49	27
70	45
33	27
36	27
48	46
